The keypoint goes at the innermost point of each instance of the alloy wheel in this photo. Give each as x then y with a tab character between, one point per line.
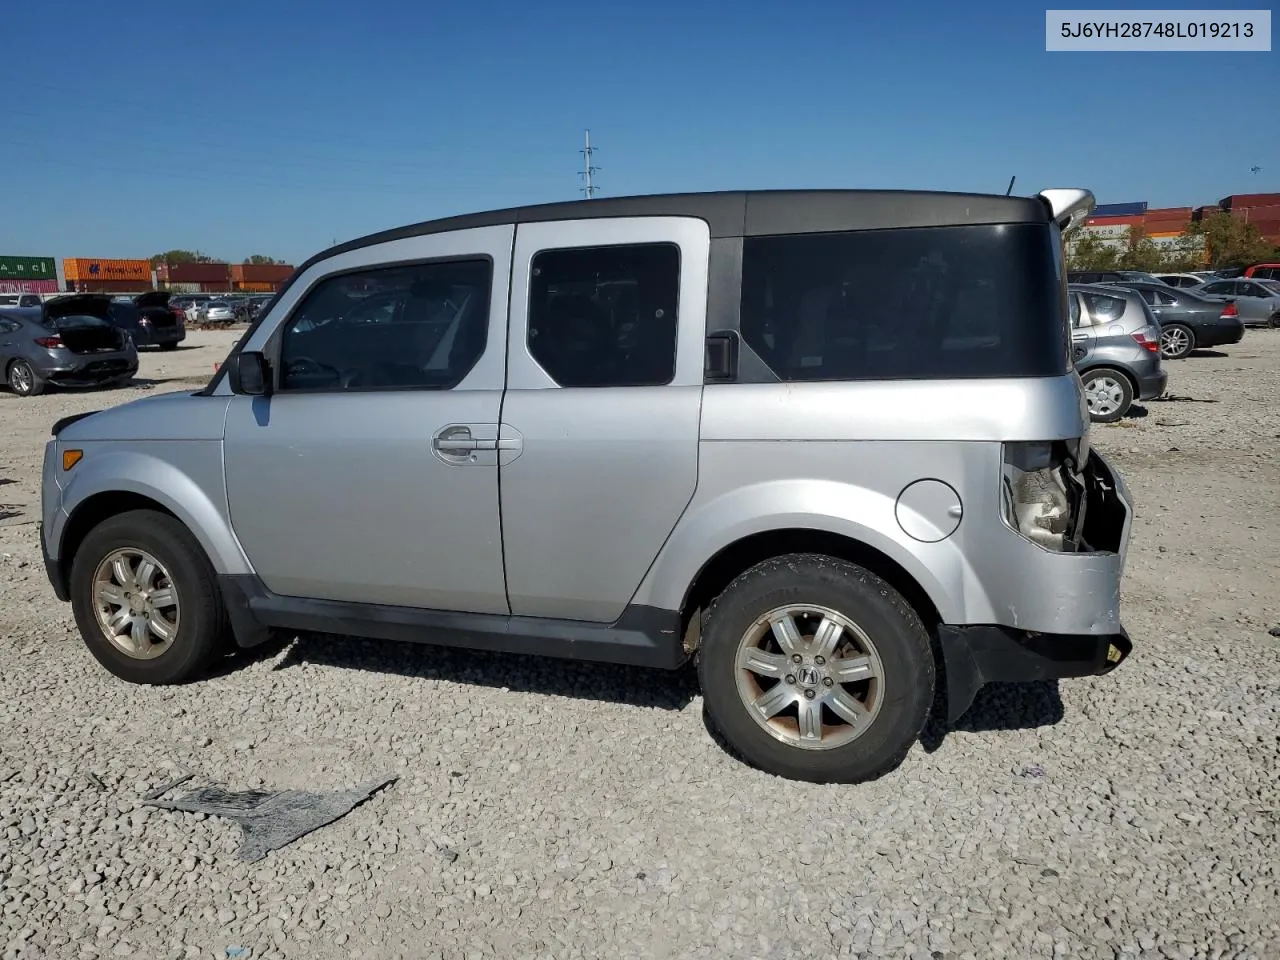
1174	342
20	377
136	603
810	677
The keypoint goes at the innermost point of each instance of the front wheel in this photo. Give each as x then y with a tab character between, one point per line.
1108	393
1176	341
815	669
146	600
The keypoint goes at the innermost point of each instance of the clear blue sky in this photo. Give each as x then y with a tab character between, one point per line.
240	128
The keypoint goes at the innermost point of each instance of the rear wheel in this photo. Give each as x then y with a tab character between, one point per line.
1176	341
146	599
23	379
815	669
1108	393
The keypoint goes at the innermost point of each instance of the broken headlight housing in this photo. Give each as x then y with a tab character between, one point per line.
1042	494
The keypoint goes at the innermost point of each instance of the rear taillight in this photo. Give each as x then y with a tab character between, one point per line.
1144	340
1230	311
49	342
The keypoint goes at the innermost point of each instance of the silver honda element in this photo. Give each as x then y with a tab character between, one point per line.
829	446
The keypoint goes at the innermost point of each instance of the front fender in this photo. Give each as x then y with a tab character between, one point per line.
827	506
187	482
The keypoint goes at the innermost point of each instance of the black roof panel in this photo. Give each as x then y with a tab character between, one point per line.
750	213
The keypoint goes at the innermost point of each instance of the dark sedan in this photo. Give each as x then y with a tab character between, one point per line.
149	321
1189	321
68	341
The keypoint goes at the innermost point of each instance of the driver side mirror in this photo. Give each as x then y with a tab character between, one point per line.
250	374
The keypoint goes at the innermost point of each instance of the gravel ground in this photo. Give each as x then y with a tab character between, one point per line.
549	809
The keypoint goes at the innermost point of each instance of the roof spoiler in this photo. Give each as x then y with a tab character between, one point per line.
1068	206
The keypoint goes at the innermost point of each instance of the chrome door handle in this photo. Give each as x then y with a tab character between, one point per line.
458	440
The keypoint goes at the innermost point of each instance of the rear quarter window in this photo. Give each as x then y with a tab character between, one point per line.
923	303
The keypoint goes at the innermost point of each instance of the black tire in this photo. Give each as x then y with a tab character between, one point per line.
1185	336
1274	321
202	624
23	379
172	345
1121	386
900	640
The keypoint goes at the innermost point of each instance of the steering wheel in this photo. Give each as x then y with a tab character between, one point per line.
310	368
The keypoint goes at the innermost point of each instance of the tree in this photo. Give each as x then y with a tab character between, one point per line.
1231	241
180	256
1088	251
1140	252
259	258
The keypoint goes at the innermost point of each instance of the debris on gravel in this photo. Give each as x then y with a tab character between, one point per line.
553	809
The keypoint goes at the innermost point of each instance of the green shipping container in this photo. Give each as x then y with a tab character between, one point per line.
28	268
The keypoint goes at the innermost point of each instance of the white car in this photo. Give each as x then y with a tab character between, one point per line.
1183	279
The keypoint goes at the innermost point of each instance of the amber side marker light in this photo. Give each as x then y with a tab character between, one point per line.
70	458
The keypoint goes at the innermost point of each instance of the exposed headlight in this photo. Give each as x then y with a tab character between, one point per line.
1042	493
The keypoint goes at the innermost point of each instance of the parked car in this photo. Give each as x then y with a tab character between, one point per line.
19	300
1109	276
1189	321
800	437
1180	279
1262	271
67	342
218	311
1115	342
148	320
1258	301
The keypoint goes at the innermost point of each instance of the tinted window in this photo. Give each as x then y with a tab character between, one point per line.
971	301
1164	299
1219	288
419	326
605	316
1073	301
1147	295
1102	308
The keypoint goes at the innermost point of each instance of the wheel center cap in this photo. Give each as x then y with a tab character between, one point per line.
808	675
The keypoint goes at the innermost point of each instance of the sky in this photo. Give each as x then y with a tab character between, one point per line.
271	128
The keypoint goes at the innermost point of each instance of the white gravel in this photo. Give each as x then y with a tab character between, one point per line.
551	809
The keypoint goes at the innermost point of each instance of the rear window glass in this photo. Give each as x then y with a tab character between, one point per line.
951	302
1103	308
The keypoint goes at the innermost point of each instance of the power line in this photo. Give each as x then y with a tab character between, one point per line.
589	187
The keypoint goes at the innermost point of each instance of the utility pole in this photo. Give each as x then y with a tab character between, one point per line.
588	188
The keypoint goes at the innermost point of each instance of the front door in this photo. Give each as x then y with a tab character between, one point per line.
370	474
600	422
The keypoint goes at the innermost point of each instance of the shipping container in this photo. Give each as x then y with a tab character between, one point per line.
1137	208
28	268
261	272
1167	213
1113	222
182	287
85	268
108	286
222	286
28	286
1249	200
192	272
255	286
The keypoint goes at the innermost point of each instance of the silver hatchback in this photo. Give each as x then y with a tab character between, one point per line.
1115	341
651	431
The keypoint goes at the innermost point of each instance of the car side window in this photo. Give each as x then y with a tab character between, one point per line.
1163	299
1104	309
605	316
1218	289
418	326
1147	295
1255	290
1074	302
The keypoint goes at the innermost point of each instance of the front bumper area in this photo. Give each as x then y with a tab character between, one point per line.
977	655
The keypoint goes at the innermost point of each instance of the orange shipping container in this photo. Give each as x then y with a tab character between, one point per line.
254	286
89	270
261	272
